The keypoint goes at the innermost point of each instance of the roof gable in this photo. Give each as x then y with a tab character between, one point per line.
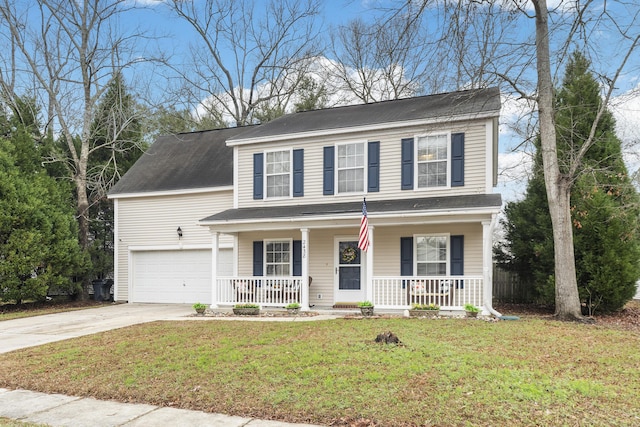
181	162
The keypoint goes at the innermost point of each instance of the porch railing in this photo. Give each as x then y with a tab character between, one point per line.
265	291
449	292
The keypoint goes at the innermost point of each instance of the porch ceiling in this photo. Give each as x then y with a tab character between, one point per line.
464	208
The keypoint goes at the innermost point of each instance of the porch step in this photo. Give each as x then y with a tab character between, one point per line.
340	305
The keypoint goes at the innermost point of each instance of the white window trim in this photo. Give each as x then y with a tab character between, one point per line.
264	167
365	167
447	256
416	173
264	255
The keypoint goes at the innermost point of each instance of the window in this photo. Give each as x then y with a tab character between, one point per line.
278	173
432	160
278	258
431	255
351	168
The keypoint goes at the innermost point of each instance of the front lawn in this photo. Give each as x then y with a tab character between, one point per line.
448	372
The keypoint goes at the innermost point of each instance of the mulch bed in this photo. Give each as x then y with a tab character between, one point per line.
263	313
627	318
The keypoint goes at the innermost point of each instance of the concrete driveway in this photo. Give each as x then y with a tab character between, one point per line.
37	330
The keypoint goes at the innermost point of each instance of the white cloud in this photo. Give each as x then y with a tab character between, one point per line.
514	169
323	71
626	110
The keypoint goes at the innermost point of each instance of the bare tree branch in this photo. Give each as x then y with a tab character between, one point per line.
247	53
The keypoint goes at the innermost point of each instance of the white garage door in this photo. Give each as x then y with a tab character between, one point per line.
176	276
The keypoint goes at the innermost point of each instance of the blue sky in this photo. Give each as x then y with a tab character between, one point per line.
156	17
336	12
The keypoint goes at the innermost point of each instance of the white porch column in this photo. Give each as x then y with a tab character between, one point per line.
215	247
304	292
235	254
369	280
487	262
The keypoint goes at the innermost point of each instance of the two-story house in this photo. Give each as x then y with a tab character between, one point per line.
271	213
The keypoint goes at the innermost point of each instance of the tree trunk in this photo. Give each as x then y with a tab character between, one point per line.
558	186
567	296
82	213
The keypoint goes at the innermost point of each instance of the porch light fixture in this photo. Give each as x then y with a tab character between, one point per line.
179	230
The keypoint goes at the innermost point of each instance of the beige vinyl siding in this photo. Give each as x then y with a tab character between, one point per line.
390	165
387	256
151	222
321	260
386	252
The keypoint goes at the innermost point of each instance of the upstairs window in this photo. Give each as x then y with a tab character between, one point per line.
431	255
351	165
278	173
432	160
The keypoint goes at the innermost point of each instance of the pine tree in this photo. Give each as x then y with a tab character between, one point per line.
604	204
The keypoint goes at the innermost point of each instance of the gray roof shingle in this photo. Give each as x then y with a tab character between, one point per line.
421	107
183	161
373	207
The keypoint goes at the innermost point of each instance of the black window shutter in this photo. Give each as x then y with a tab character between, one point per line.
406	256
327	176
457	258
407	164
258	175
457	160
373	173
297	257
298	173
258	256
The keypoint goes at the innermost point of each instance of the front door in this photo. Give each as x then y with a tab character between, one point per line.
348	263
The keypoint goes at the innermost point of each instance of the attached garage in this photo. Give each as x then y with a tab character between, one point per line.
176	276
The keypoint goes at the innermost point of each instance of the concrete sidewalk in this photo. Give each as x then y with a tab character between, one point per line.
58	410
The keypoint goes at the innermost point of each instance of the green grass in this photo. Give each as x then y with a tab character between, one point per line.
448	372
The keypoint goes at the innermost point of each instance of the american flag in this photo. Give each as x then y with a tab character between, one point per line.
363	239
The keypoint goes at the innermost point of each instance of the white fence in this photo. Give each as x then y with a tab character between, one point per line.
450	292
265	291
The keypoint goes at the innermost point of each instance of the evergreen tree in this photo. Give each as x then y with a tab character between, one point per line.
604	204
38	233
311	95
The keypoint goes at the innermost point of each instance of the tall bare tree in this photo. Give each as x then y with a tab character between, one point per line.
67	53
421	47
559	173
538	57
379	61
248	53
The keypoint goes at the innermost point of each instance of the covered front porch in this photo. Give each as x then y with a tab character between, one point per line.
422	254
